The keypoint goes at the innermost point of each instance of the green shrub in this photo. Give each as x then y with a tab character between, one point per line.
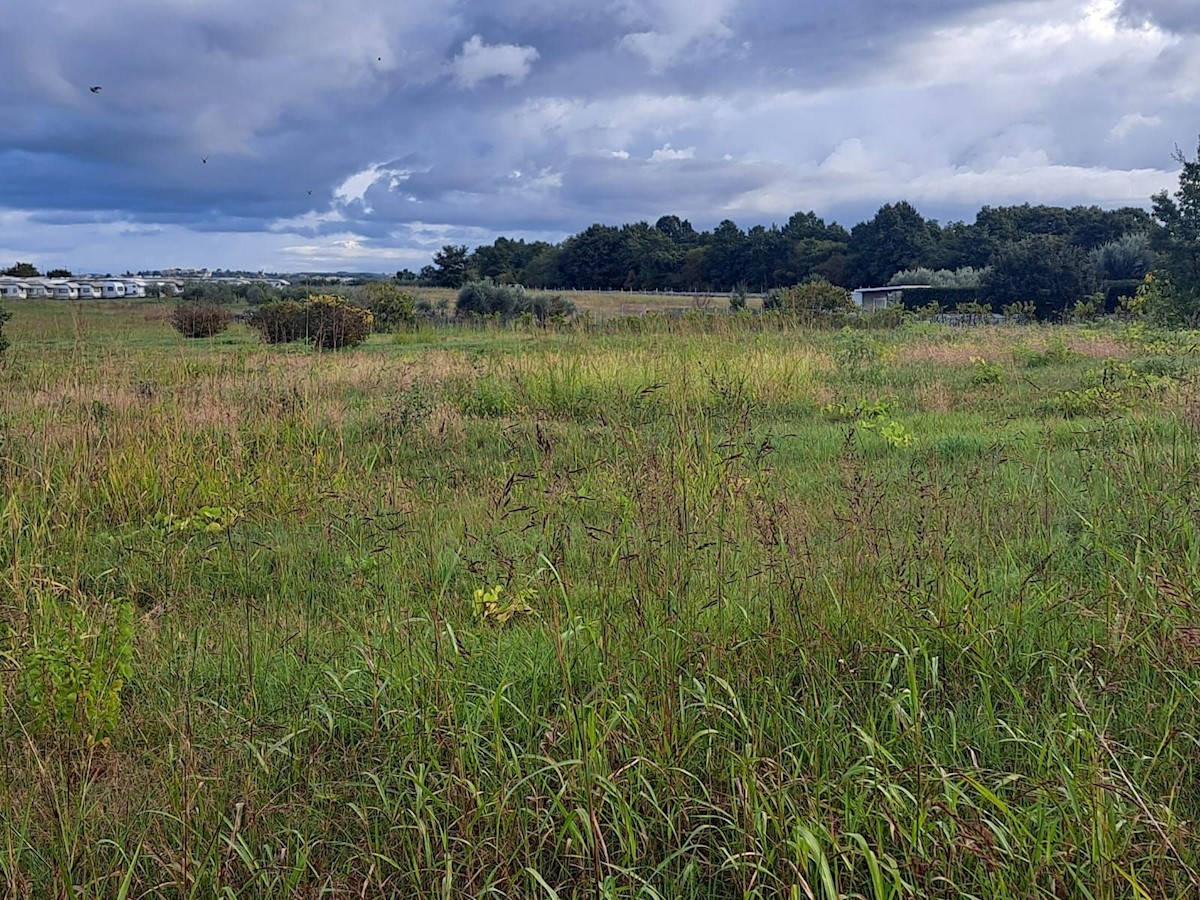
200	319
984	372
5	315
1128	258
280	322
393	308
810	297
483	298
71	671
333	323
546	308
325	321
737	300
1020	311
510	301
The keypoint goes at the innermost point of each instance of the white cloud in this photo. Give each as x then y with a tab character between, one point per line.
1132	123
351	248
667	153
479	62
676	29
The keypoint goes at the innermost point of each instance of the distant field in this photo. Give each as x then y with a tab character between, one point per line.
657	609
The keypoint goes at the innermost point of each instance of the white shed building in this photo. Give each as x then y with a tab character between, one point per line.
871	299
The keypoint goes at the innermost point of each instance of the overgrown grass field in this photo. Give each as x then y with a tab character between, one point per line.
709	608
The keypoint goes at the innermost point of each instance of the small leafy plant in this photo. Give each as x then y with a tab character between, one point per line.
872	416
206	520
984	372
498	606
70	676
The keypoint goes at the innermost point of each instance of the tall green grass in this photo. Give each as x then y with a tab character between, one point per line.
767	653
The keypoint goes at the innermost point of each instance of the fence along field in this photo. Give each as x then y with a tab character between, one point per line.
672	609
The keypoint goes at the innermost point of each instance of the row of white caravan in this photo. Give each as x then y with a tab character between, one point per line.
68	289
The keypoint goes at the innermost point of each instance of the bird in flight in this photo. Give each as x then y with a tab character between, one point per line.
95	89
310	193
204	159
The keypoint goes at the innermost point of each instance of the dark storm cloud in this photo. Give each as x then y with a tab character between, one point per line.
413	123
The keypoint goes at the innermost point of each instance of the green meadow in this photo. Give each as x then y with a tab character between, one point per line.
708	607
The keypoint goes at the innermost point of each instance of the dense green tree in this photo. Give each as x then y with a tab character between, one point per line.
692	275
542	271
765	250
59	273
728	256
680	231
504	260
1124	259
897	237
451	268
809	226
22	270
653	257
1044	269
1177	239
595	259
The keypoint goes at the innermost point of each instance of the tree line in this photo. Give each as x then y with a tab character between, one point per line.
672	255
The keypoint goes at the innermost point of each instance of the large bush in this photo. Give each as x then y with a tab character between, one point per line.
1127	258
333	323
280	322
5	315
198	319
392	307
325	321
483	298
809	297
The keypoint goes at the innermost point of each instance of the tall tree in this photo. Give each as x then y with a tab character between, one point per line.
595	259
451	267
542	271
680	231
1043	268
726	260
653	257
1177	237
897	237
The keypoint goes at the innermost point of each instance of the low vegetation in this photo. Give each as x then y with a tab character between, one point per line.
326	321
706	607
200	319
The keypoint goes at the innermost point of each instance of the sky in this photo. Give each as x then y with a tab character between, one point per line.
362	135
